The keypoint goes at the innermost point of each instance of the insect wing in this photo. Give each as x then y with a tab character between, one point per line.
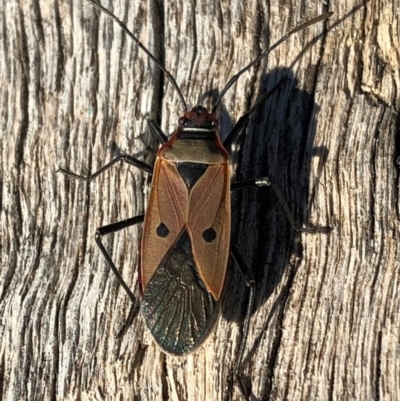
165	217
209	226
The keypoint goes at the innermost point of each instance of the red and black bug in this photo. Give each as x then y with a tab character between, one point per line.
186	241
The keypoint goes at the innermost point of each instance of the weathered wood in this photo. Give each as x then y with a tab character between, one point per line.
76	92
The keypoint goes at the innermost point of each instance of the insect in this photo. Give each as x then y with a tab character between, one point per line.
186	241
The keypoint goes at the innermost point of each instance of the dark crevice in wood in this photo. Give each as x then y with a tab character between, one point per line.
160	34
396	156
56	352
164	378
378	367
60	70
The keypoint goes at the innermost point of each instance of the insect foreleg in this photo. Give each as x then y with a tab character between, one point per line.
125	158
154	128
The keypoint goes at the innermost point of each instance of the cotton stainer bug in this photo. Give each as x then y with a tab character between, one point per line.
185	245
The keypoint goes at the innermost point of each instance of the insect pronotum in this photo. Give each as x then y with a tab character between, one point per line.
186	245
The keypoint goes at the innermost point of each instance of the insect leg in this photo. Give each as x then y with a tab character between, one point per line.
245	117
263	182
250	283
109	229
125	158
156	130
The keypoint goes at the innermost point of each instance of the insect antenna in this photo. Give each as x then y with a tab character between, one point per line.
141	46
298	28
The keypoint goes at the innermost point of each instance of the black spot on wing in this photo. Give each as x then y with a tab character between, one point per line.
177	308
162	230
209	235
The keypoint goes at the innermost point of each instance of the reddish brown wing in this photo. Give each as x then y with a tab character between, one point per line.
209	226
167	210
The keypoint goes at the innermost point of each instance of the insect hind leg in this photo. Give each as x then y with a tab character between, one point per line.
110	229
250	283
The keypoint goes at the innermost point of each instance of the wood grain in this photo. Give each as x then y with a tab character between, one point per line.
76	92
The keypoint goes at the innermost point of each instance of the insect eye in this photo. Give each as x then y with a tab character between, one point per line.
182	121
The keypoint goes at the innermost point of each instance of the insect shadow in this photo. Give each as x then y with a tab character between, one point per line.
278	143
